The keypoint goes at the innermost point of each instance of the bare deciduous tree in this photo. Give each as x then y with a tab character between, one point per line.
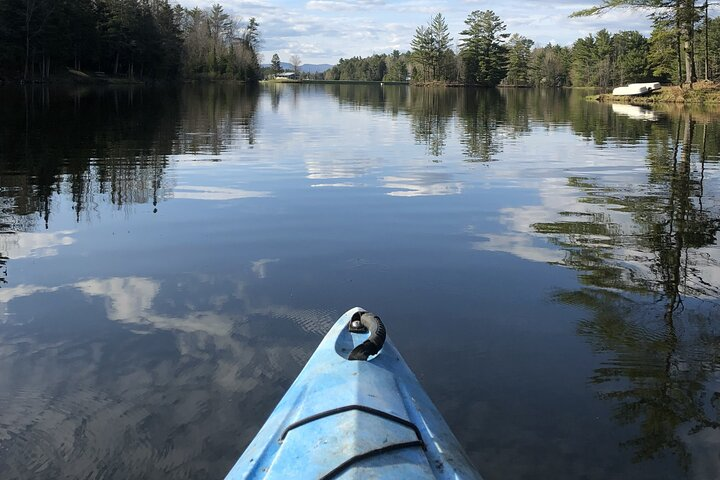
295	62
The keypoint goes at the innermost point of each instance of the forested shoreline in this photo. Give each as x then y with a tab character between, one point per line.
684	46
137	40
150	40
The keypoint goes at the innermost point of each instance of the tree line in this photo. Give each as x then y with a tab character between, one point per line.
136	39
382	67
683	42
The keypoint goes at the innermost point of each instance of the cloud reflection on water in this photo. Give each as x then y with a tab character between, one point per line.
153	395
34	244
194	192
421	185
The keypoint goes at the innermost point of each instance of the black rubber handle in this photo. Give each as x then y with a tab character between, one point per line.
375	341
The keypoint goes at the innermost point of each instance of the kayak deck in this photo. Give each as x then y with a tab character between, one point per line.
354	419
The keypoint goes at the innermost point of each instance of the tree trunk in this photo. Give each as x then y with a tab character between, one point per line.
707	50
688	32
690	75
678	42
28	17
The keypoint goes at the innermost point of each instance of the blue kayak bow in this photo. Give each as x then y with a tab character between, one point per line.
355	411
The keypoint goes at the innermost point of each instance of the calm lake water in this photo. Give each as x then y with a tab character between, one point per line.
170	258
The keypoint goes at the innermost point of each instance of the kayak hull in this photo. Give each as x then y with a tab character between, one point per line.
354	419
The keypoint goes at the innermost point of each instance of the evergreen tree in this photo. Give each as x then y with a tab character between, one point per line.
603	60
631	57
483	49
396	67
708	48
219	26
550	66
431	50
441	53
275	65
422	45
682	13
138	39
583	61
662	54
518	60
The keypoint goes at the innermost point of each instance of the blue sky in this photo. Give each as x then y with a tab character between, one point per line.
323	31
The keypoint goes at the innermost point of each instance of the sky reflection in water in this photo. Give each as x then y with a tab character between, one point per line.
170	259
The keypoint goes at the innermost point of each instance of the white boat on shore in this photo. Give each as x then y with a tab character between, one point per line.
636	89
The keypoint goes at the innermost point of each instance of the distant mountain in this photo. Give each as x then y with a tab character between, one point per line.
306	67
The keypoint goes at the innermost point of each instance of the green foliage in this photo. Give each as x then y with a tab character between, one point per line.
375	68
679	15
397	70
431	51
710	50
549	66
518	60
631	52
483	50
583	60
137	39
603	60
275	66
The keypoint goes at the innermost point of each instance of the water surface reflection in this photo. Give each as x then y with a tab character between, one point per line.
169	258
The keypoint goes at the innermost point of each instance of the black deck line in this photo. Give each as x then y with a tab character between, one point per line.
340	468
362	408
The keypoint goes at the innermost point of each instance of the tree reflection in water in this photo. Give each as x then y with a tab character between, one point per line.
106	146
646	253
663	356
485	117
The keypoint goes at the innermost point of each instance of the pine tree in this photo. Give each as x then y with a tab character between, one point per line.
483	49
662	54
440	38
631	53
275	65
431	50
422	45
682	13
518	60
583	61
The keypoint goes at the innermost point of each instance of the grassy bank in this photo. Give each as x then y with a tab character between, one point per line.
702	93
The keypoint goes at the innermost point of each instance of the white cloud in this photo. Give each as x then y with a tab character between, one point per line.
520	245
426	184
193	192
322	31
19	291
331	169
130	301
334	185
34	244
337	5
259	267
128	298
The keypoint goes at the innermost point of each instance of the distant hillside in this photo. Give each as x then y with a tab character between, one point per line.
306	67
